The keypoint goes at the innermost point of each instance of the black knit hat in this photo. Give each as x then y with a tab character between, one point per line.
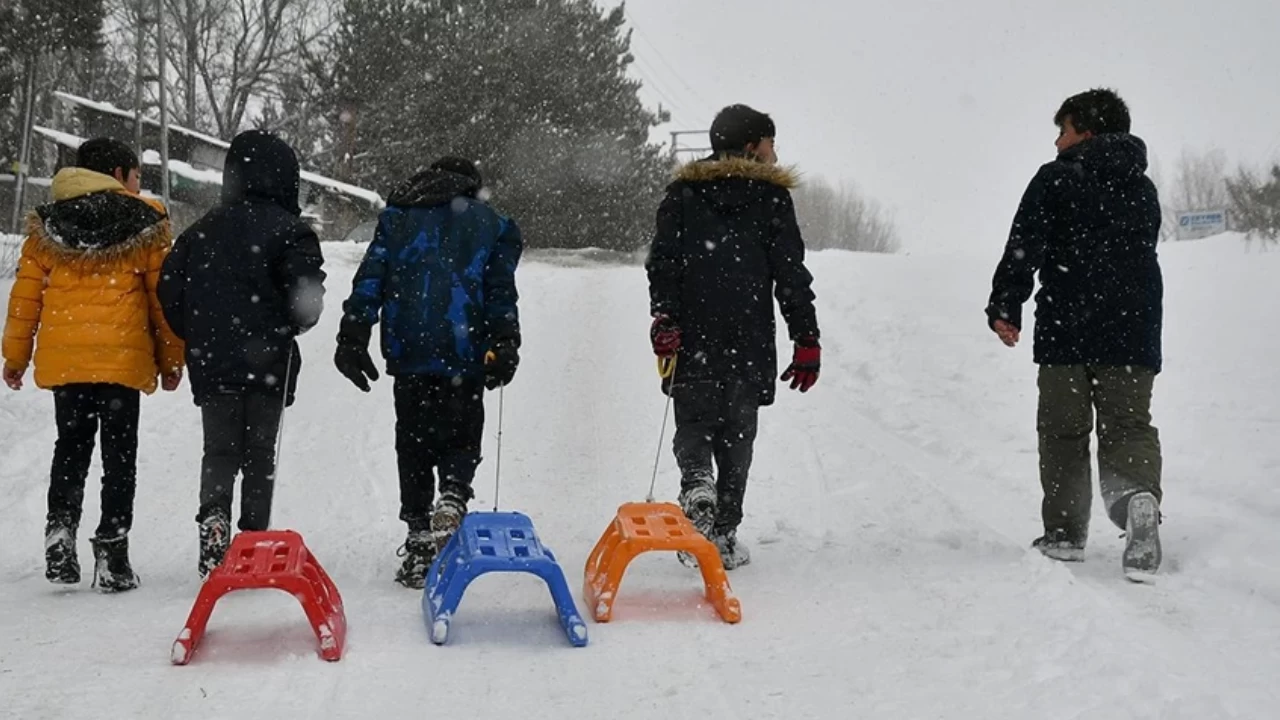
459	166
738	126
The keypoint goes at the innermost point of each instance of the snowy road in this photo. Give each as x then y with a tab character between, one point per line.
889	515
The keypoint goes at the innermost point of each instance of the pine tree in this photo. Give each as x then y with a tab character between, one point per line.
32	31
536	91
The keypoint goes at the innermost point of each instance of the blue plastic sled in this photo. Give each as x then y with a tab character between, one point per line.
494	542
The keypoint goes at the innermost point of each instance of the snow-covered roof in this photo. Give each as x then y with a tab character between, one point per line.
65	139
43	182
186	170
106	107
368	196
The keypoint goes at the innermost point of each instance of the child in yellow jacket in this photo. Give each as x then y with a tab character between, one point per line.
84	303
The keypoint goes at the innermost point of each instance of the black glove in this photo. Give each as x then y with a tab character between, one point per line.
500	364
352	356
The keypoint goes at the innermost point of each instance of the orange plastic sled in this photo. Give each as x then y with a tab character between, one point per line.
640	528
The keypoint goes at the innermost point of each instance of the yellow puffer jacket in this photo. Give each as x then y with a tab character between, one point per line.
85	294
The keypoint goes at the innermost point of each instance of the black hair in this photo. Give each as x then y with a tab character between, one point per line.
1099	111
738	126
106	155
459	166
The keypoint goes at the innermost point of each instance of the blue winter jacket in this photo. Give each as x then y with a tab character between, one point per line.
440	274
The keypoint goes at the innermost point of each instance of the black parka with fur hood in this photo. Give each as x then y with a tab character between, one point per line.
727	244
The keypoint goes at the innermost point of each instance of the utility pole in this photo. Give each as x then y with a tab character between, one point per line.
675	143
164	105
139	77
24	155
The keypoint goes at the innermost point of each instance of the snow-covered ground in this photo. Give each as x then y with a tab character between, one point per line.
890	513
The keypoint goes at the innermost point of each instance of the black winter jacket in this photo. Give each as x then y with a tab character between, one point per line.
727	243
1089	223
246	279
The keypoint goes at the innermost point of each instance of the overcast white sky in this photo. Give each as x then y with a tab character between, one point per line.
942	109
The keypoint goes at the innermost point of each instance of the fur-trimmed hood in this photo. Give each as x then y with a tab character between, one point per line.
736	180
738	166
94	216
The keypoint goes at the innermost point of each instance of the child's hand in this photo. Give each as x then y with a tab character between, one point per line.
1009	335
13	378
171	381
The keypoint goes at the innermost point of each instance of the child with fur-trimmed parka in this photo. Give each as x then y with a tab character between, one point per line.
85	305
727	244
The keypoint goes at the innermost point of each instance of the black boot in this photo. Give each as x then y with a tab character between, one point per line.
446	518
62	566
418	551
733	554
215	536
1062	545
698	501
111	570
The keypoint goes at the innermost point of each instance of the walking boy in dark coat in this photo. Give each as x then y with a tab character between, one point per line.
440	275
240	285
1089	223
727	243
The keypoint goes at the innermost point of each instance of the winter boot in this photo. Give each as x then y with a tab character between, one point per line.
446	518
1142	552
1061	545
111	570
699	505
418	551
698	501
62	566
215	537
732	553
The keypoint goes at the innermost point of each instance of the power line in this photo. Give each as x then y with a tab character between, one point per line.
660	89
694	94
691	94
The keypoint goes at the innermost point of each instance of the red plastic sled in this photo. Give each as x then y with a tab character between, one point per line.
272	559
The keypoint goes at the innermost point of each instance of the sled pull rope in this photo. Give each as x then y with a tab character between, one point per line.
497	465
666	370
284	404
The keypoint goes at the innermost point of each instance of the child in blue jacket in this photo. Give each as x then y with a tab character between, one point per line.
440	275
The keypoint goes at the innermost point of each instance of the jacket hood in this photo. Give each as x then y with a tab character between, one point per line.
93	215
1118	155
261	166
432	187
730	180
74	182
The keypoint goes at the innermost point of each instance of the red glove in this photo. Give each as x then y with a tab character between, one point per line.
806	362
664	335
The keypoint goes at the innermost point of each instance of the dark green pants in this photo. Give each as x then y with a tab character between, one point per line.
1128	445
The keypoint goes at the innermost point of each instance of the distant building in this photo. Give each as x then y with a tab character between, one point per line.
195	168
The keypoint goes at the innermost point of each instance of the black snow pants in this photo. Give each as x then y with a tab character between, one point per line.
81	410
240	434
439	427
716	421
